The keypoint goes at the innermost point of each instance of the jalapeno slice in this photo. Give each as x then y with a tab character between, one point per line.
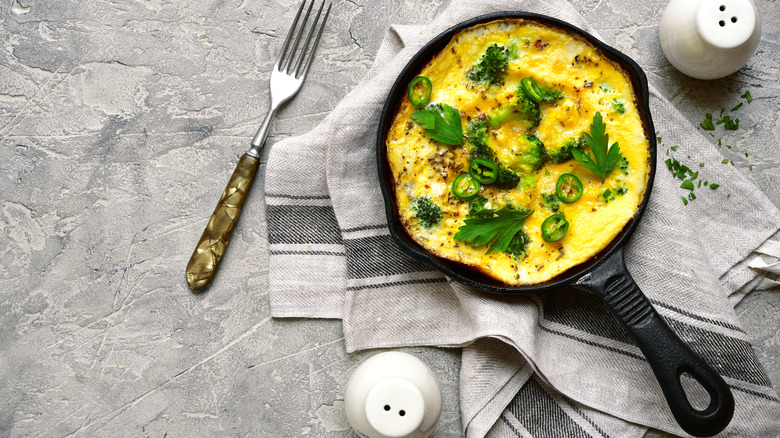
554	228
420	91
483	170
568	188
465	187
531	89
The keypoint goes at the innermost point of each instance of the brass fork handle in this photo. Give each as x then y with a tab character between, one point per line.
213	243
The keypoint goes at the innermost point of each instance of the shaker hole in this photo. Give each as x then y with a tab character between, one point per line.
402	412
387	407
733	19
722	23
722	8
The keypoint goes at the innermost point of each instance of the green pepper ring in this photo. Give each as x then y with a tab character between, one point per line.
554	228
425	89
483	170
531	89
470	190
568	188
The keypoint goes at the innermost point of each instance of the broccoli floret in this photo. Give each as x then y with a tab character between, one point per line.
520	107
621	189
519	245
492	67
564	154
476	136
476	131
477	205
529	181
506	179
608	195
551	94
550	201
533	155
623	164
427	213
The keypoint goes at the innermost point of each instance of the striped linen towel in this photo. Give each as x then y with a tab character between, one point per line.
556	364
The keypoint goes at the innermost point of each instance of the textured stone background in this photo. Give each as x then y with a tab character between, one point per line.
120	123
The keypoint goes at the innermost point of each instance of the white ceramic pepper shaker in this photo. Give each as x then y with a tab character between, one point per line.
709	39
393	395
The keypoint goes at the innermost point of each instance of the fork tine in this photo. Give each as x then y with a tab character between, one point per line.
289	35
316	40
305	46
294	47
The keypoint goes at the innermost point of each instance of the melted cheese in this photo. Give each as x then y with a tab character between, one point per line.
589	82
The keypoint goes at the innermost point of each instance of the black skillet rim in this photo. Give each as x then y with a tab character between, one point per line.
458	271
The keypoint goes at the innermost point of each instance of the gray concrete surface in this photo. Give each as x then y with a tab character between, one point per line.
120	122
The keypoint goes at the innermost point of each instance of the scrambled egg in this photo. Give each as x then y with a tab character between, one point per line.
588	82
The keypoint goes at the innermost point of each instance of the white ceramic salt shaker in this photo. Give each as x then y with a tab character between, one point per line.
393	395
709	39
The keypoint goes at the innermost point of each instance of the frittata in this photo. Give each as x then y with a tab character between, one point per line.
519	151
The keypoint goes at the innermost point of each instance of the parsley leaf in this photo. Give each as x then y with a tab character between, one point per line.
496	227
441	122
604	156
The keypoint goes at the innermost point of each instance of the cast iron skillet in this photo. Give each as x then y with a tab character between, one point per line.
605	275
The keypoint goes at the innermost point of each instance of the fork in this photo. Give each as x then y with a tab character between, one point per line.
287	76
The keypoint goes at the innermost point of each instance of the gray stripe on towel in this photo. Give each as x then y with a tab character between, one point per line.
541	415
302	224
731	357
378	256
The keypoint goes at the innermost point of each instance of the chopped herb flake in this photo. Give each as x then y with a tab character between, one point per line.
737	107
724	161
691	196
707	123
729	123
687	184
674	148
714	186
747	96
685	201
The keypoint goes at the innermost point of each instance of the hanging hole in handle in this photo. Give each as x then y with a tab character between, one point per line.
722	23
722	8
733	19
697	395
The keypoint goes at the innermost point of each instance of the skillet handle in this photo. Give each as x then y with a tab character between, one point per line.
668	356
